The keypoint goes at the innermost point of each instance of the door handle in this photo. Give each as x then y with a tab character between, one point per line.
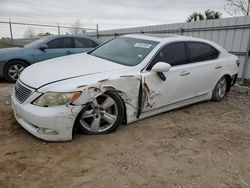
218	67
69	52
184	73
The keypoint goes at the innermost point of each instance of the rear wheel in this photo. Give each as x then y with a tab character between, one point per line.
103	115
220	89
13	69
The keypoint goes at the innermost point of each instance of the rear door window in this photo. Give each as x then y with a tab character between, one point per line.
199	51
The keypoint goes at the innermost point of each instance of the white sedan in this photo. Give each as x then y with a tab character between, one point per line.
124	80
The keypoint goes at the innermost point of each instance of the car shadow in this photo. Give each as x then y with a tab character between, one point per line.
3	81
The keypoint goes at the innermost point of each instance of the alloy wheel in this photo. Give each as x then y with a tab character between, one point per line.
100	115
15	71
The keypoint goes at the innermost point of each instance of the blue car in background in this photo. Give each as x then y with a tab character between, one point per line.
14	60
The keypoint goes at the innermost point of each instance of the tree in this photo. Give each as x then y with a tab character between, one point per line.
29	33
76	28
195	17
208	15
237	7
211	14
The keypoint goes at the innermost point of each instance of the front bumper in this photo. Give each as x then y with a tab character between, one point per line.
33	118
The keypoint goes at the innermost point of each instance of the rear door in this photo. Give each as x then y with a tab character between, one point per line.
84	44
204	68
56	48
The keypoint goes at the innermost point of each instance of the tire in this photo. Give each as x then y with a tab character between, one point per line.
13	69
102	116
220	89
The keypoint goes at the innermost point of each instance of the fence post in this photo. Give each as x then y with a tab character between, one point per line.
181	31
97	31
245	62
58	28
11	34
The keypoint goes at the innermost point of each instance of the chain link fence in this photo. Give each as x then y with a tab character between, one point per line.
18	33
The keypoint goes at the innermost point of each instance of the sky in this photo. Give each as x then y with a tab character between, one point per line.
108	14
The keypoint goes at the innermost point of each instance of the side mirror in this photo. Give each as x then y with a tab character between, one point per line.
43	47
161	67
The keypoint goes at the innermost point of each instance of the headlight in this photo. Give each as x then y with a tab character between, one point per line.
56	99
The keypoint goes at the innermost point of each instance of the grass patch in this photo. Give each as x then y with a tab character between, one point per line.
4	45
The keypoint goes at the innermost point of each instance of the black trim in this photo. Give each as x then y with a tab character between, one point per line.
140	95
238	53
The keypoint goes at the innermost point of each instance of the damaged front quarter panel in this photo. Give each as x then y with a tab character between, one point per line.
126	86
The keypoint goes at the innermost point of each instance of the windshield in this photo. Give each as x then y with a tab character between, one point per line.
36	42
125	50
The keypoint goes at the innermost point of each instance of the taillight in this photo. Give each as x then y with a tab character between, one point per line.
238	62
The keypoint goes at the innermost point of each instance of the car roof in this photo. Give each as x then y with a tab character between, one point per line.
74	35
168	38
163	37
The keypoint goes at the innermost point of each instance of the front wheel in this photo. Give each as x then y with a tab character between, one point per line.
13	69
220	89
103	115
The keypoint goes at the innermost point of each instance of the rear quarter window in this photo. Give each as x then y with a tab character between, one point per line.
199	51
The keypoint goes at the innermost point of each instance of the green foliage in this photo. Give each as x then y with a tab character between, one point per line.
208	15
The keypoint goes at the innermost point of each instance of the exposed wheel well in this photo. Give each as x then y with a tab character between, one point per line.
124	121
228	78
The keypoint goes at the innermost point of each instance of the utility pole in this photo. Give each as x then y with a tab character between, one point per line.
11	34
58	28
97	31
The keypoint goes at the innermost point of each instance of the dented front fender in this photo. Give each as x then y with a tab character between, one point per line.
127	87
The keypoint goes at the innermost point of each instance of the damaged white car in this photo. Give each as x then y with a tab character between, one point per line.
124	80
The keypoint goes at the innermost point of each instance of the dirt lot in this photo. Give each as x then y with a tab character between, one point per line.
204	145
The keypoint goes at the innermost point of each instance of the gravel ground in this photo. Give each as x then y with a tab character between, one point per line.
203	145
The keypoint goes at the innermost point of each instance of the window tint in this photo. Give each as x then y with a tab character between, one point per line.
201	52
174	54
85	43
65	42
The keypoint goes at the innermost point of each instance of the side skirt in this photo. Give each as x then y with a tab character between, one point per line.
203	97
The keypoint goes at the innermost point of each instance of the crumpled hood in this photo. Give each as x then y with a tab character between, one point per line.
64	68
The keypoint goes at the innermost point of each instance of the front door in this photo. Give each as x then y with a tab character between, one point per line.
159	92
